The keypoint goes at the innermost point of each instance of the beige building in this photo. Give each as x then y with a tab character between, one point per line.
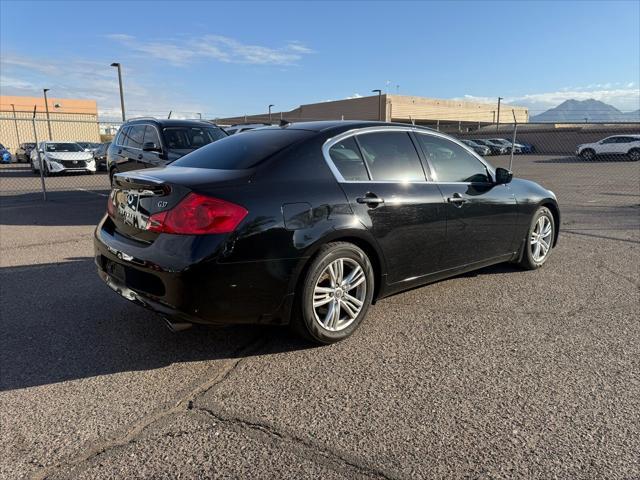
396	108
70	119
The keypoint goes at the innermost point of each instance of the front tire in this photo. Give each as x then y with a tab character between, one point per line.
539	241
335	294
588	154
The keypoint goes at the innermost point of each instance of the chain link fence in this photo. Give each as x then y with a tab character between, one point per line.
600	179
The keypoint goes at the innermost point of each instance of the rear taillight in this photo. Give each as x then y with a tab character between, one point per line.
198	215
111	206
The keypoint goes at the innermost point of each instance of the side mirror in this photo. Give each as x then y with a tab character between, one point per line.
503	176
150	147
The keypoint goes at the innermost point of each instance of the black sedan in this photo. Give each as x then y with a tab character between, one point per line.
311	223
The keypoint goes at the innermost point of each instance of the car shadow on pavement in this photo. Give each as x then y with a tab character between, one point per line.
60	323
62	208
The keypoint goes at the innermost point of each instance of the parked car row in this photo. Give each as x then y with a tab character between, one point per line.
497	146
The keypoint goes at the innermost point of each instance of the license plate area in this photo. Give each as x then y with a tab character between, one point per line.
128	203
114	270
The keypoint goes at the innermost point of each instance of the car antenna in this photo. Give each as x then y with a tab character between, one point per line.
169	113
284	123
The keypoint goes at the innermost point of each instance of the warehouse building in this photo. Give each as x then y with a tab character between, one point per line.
396	108
69	119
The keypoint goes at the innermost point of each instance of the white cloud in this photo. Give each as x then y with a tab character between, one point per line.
81	78
218	47
625	97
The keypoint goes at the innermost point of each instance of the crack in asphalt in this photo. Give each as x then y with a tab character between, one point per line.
185	403
307	449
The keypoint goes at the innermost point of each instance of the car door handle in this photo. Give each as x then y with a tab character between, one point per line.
457	200
140	156
119	151
370	199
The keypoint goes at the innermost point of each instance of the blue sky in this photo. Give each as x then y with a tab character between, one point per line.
227	58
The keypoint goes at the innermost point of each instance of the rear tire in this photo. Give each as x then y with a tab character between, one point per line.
335	293
588	154
539	240
634	154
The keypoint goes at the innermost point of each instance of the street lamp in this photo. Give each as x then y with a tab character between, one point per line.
118	66
15	120
46	106
379	103
498	120
272	105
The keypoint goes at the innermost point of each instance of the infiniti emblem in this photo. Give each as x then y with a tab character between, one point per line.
130	199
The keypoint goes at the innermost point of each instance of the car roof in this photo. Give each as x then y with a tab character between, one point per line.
338	126
169	122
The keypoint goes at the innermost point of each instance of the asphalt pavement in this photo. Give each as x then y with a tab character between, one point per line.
499	373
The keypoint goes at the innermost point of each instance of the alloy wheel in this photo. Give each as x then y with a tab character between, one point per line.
540	242
339	294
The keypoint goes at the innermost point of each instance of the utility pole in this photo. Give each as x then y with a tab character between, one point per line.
46	106
271	105
118	66
15	120
498	121
379	103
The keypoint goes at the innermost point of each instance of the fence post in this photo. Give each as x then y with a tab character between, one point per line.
513	142
40	163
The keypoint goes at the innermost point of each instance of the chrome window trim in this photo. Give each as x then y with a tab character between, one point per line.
330	142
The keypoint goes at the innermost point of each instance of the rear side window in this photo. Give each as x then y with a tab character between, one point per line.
346	157
151	135
452	162
237	152
133	136
391	156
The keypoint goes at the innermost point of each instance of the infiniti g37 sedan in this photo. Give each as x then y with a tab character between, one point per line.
311	223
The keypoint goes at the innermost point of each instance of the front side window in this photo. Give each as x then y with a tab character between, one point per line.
63	147
191	138
391	156
346	157
452	162
609	140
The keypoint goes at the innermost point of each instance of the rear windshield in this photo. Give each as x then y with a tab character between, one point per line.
242	151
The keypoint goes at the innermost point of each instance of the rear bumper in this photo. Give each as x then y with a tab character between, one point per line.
209	290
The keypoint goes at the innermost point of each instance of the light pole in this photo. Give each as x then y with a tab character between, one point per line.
15	120
498	119
46	106
200	116
118	66
379	103
271	105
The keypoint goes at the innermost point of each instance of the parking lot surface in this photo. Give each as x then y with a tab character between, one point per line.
497	373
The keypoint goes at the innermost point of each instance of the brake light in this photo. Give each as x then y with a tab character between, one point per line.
111	207
198	215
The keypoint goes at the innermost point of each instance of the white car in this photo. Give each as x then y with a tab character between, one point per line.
628	145
62	157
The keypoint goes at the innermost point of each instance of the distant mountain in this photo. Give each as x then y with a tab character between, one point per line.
571	111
